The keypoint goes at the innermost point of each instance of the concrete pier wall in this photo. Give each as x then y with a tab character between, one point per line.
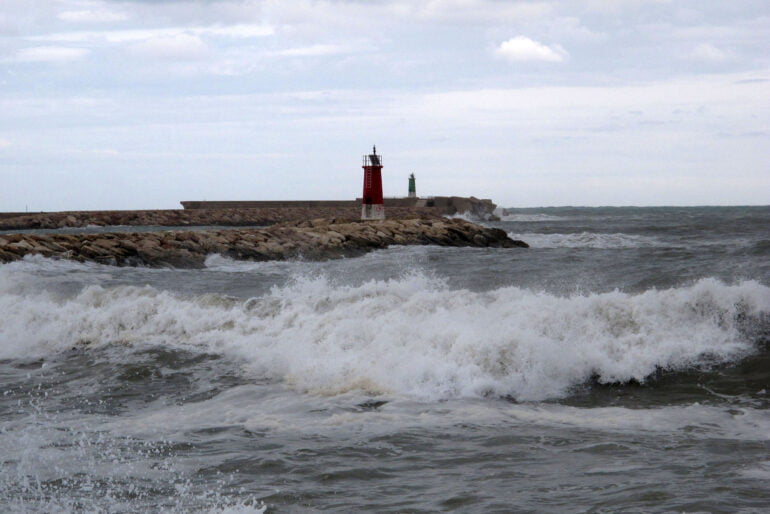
444	205
269	204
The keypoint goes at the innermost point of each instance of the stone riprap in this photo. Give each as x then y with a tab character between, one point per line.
196	217
314	239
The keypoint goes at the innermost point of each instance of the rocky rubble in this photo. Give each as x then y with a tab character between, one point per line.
195	217
314	239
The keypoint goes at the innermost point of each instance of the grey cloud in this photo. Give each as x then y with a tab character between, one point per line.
752	81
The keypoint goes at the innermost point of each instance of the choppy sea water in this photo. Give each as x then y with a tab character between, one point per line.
620	364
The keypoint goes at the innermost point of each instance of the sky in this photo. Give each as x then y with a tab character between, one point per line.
108	104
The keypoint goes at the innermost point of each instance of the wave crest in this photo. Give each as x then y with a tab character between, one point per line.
587	240
532	217
412	336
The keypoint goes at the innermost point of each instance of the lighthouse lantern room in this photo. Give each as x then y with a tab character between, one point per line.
373	207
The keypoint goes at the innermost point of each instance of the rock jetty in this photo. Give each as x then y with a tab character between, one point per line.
309	239
236	217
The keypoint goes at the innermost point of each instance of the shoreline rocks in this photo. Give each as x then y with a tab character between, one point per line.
315	239
235	217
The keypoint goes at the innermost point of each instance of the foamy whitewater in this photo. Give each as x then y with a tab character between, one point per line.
621	363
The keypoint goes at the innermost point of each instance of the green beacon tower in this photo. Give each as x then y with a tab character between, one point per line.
412	187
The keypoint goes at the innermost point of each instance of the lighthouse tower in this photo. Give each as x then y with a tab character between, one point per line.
412	187
372	207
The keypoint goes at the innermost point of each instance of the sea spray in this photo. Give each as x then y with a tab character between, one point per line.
538	217
587	240
411	336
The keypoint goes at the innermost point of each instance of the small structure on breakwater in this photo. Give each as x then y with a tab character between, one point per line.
372	206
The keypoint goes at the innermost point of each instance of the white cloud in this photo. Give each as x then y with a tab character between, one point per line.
731	93
4	143
571	28
53	54
96	152
314	19
619	6
707	52
236	31
521	48
478	10
177	46
92	16
312	51
127	36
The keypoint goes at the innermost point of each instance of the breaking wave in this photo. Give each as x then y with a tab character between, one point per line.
531	217
412	336
471	216
587	240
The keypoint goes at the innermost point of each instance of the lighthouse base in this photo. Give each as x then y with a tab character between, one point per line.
374	211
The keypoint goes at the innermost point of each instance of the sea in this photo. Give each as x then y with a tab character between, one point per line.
619	364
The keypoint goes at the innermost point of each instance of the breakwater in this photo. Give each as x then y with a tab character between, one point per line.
309	239
236	216
482	209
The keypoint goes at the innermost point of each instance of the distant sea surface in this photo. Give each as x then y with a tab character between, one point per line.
622	363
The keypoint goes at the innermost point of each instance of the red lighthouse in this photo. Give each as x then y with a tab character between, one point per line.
373	207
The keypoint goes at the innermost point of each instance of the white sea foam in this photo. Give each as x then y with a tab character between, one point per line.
587	240
398	259
698	421
277	410
532	217
217	262
760	471
58	463
411	336
461	216
469	216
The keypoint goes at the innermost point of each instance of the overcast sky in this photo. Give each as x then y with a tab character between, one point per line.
140	104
